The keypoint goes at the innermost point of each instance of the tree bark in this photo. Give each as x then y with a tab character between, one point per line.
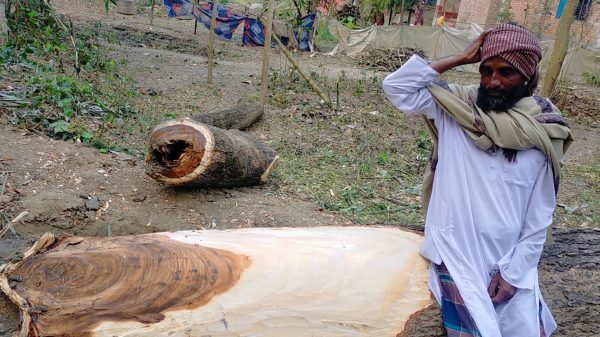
188	153
245	113
559	51
293	282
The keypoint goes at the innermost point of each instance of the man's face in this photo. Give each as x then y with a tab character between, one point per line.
502	85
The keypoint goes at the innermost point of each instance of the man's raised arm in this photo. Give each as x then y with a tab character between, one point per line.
406	87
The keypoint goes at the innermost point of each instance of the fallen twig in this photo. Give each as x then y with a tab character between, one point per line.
11	223
400	203
3	188
12	229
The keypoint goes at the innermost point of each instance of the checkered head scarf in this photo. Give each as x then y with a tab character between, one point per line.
517	46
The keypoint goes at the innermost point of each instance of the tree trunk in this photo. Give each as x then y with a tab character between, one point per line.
246	112
546	12
294	282
402	13
559	51
188	153
3	23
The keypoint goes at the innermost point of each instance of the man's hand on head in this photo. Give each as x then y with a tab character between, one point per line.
473	52
470	55
500	291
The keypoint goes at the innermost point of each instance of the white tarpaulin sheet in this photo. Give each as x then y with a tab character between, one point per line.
441	42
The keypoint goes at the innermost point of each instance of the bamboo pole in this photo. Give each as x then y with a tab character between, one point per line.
306	76
211	41
264	78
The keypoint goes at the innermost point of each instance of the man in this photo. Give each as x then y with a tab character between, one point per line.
490	189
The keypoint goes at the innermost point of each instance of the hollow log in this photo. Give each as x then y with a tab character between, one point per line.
245	113
190	153
291	282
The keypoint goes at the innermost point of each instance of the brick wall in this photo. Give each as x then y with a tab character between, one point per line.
449	9
537	15
480	12
540	17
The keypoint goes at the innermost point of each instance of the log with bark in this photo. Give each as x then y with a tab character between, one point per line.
187	152
325	281
245	113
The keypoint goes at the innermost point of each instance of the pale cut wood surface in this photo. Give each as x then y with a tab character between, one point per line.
292	282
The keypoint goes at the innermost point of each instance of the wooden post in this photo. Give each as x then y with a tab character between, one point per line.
211	40
402	13
195	21
264	78
152	12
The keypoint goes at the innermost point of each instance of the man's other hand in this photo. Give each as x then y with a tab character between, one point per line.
499	290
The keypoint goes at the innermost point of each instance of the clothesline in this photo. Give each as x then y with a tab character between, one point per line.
247	13
228	20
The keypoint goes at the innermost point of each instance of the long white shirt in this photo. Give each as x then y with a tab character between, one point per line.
485	214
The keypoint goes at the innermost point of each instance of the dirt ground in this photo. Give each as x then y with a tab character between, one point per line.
67	187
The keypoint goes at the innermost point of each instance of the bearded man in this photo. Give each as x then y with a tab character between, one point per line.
491	184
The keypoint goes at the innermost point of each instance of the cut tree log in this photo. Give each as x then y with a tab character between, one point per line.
290	282
245	113
184	152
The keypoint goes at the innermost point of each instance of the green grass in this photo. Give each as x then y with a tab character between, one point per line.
579	195
364	161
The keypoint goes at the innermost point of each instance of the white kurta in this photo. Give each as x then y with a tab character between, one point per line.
485	214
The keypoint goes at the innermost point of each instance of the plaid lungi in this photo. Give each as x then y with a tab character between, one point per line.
457	320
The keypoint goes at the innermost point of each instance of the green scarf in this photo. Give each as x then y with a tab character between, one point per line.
522	127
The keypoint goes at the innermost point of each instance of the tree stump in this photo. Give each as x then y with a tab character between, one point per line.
188	153
291	282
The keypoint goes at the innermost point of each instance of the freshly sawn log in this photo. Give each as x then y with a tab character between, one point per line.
291	282
190	153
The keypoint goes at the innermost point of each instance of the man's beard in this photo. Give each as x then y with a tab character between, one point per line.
506	100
